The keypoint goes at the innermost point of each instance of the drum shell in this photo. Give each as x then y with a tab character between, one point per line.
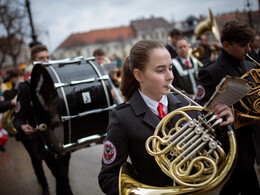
51	104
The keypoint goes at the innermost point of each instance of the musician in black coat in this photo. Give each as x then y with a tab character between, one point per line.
235	39
255	48
25	123
146	73
185	68
175	34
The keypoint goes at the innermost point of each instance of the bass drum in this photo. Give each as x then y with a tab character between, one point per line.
71	103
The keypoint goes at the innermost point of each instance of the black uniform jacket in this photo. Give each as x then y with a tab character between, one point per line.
171	50
8	96
209	77
24	113
255	55
130	126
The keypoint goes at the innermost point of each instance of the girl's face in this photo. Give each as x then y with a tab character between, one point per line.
157	74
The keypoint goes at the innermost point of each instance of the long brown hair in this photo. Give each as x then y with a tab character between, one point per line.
137	59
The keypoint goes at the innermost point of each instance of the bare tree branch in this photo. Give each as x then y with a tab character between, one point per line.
12	20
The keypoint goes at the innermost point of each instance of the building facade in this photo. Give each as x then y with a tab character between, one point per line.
114	41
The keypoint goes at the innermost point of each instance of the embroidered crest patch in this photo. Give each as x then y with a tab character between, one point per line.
109	152
200	92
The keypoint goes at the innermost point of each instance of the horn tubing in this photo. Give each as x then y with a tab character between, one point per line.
185	97
252	59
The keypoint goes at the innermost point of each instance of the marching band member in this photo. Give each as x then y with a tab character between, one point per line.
25	123
146	74
255	48
175	34
235	39
185	68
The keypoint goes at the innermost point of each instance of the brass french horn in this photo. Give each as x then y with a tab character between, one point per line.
248	110
189	153
7	120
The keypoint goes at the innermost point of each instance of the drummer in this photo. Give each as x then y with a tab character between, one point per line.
26	125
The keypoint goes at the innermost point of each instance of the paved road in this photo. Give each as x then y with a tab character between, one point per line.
17	176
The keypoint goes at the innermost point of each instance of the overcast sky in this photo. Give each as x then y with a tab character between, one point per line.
55	20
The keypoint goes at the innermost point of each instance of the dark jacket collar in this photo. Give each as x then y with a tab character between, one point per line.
229	63
139	107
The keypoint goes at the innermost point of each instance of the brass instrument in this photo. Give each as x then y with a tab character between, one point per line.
116	77
196	52
189	153
208	25
249	110
7	121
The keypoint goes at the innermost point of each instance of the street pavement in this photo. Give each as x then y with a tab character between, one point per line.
17	176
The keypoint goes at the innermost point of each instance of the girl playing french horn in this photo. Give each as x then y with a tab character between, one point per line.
146	74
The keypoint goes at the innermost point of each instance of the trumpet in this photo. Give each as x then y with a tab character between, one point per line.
189	153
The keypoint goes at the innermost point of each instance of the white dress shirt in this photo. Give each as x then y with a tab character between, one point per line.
153	105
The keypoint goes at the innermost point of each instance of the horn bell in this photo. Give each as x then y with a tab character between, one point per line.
7	121
208	25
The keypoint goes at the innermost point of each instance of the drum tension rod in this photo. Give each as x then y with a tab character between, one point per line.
65	118
58	85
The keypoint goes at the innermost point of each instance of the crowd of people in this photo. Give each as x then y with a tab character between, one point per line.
145	77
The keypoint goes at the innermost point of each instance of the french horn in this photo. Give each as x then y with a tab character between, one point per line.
7	120
189	153
248	110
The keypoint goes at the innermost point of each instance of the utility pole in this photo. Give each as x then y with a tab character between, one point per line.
249	4
34	36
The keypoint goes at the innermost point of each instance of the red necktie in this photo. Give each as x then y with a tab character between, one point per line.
188	64
160	110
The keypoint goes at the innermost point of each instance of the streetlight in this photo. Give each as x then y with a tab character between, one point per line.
34	36
249	4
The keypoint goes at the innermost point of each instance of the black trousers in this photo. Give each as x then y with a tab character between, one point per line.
59	167
60	170
244	182
36	160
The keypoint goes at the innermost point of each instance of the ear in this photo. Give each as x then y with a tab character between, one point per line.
225	45
138	75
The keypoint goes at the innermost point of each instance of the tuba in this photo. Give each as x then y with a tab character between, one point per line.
189	153
248	110
208	25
